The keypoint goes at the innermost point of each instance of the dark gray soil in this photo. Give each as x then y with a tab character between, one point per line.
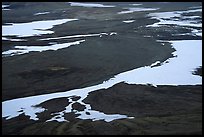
141	100
198	71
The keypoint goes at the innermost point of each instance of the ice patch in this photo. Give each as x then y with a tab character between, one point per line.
10	39
178	70
113	33
136	4
177	18
27	104
32	28
128	21
26	49
195	7
167	18
131	10
81	35
41	13
93	5
5	7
